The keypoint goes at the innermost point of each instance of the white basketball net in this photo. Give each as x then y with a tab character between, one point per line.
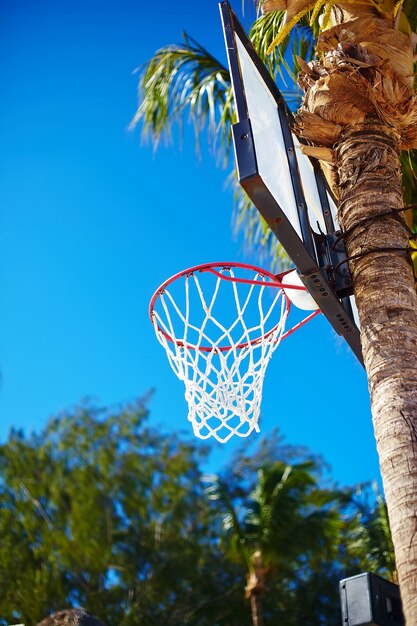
222	363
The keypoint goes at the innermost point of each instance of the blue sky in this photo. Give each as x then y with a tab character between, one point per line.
92	221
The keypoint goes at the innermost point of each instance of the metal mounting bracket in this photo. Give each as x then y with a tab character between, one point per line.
332	257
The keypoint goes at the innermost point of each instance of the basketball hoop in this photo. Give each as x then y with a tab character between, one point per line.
220	324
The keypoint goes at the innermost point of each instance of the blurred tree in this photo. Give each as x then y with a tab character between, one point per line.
368	536
102	511
281	532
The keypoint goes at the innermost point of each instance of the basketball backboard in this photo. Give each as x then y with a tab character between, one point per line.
288	188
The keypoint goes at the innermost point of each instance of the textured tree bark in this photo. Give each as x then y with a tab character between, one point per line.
256	609
370	184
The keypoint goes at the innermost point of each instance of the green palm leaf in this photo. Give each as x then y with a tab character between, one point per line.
369	536
185	83
282	63
185	79
286	517
409	176
410	9
235	537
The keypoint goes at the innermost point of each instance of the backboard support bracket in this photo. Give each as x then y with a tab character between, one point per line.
332	256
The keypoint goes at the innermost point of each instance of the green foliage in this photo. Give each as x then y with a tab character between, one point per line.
285	516
180	79
410	9
280	511
409	177
101	510
186	83
282	62
310	533
368	538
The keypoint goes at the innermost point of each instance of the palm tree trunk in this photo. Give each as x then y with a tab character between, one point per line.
255	587
370	186
256	609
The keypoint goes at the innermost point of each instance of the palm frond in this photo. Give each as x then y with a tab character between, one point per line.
186	83
408	161
286	503
235	535
182	79
282	63
410	9
262	33
369	536
256	231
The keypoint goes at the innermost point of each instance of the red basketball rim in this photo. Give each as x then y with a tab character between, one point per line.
213	268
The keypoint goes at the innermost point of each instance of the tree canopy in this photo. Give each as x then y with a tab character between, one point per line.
102	511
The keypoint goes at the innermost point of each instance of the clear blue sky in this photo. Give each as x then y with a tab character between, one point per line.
92	222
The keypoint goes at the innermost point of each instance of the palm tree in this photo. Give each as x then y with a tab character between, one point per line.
286	521
368	540
359	114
